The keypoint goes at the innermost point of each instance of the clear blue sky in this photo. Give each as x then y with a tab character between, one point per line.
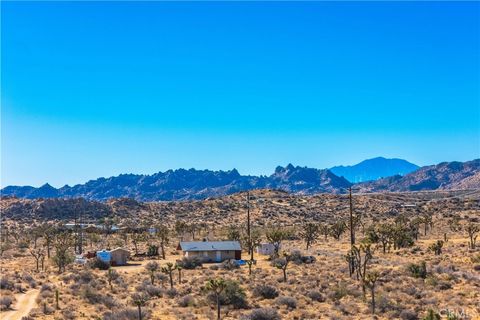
98	89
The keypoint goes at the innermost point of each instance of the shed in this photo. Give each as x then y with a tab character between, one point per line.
116	257
212	251
266	249
119	256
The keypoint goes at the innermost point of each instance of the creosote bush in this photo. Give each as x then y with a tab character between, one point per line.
265	291
186	301
6	302
316	295
190	262
262	314
232	295
289	302
99	264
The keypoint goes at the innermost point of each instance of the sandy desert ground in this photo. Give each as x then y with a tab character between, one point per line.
449	287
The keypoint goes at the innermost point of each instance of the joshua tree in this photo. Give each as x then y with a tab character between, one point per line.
472	230
139	300
233	233
384	235
362	255
180	228
38	254
152	268
192	228
137	237
168	269
48	234
415	226
282	263
179	268
275	236
112	275
310	233
437	247
163	235
325	230
454	224
252	242
216	286
371	279
337	229
249	264
428	222
63	243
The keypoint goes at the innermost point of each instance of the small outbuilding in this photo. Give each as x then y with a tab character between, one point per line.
211	251
116	257
266	249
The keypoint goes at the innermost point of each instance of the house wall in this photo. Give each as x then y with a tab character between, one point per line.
119	258
211	256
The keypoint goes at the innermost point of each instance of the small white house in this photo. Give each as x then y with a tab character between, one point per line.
266	249
211	251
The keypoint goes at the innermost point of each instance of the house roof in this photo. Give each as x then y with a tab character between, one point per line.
210	245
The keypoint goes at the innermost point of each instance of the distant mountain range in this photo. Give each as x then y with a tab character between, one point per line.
443	176
374	169
189	184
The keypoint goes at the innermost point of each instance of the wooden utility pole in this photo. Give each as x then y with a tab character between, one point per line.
248	224
352	232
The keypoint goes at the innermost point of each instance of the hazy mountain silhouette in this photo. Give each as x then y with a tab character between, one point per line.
373	169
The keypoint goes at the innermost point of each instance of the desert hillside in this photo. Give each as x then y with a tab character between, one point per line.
417	253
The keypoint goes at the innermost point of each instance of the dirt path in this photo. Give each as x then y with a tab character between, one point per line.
25	303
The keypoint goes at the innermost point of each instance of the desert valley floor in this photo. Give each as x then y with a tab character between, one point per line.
430	269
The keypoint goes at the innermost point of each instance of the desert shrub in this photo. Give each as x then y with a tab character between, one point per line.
297	257
475	258
213	267
99	264
408	315
125	314
171	293
19	287
47	309
444	285
262	314
150	290
109	302
232	295
290	302
384	304
6	284
190	262
186	301
476	267
418	270
5	302
431	280
265	291
152	250
90	294
338	292
316	295
230	264
432	315
68	314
